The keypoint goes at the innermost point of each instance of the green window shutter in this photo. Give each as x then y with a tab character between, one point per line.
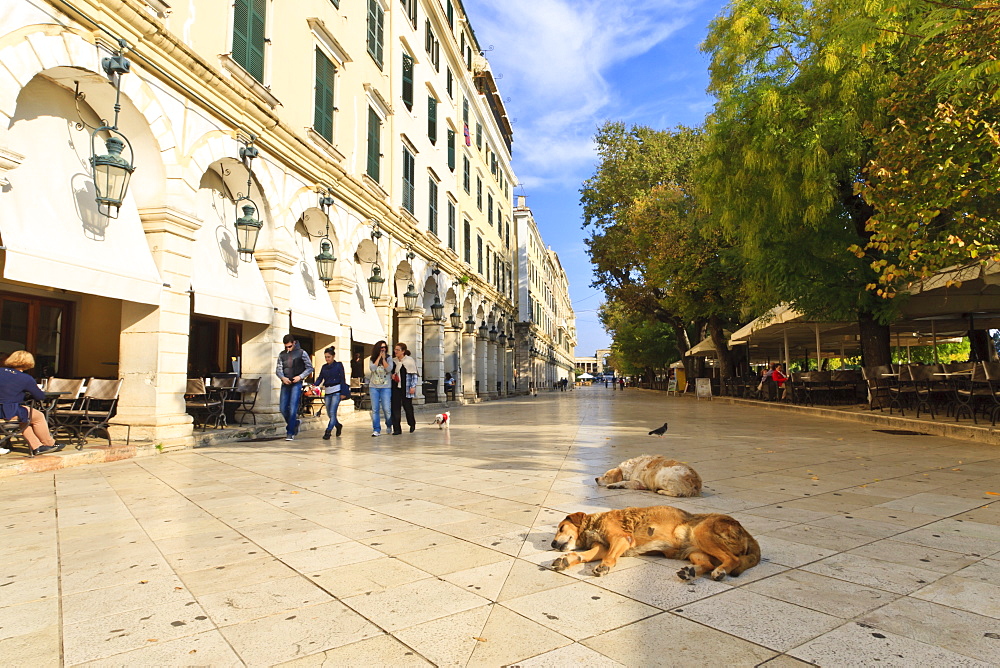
255	42
409	169
465	110
467	234
376	26
432	119
450	11
451	225
450	79
489	209
408	81
432	205
323	112
451	149
241	31
479	135
466	174
374	143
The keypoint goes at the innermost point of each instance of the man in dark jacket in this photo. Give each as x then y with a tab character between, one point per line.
293	367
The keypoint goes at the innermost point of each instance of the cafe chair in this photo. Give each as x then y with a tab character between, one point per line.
69	390
246	389
992	372
203	407
92	414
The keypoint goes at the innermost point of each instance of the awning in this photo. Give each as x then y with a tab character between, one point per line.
311	307
49	222
223	285
366	326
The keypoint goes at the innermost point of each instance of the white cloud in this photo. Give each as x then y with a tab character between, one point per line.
555	56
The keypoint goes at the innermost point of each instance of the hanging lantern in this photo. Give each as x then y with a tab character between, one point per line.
375	282
410	298
247	231
111	172
493	334
502	339
484	331
470	325
325	261
456	319
437	309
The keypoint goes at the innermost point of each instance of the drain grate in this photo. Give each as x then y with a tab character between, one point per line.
901	432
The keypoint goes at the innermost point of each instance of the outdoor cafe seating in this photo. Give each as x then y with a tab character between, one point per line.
958	389
83	417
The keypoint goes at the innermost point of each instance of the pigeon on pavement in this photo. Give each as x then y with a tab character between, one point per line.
660	432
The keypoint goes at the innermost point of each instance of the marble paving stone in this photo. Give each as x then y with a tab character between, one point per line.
366	577
40	647
204	649
657	584
299	633
759	619
789	553
233	576
508	543
133	596
224	555
448	640
382	650
579	610
486	581
527	578
854	644
669	640
24	589
784	661
962	632
898	578
261	600
570	655
971	589
484	526
823	594
106	636
938	505
453	557
414	603
507	638
115	571
398	542
918	556
942	540
329	556
818	536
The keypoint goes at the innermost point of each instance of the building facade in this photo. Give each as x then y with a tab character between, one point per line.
372	132
546	331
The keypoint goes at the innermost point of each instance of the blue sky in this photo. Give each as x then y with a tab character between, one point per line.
569	65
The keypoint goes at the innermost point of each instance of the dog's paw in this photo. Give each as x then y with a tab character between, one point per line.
601	569
719	574
687	573
560	564
616	485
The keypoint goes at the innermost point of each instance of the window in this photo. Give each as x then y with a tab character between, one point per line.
410	6
374	143
376	27
449	10
479	193
323	113
248	36
466	174
409	177
487	265
499	218
432	46
467	236
489	209
408	81
432	205
451	225
40	326
432	119
451	149
479	253
335	3
449	82
465	111
479	135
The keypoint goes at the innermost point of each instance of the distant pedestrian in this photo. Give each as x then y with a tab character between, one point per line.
292	368
357	371
335	389
621	384
380	386
404	387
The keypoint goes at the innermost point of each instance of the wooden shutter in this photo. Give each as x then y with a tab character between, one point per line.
376	25
432	119
255	41
408	81
451	225
374	143
323	112
409	168
432	206
241	31
451	149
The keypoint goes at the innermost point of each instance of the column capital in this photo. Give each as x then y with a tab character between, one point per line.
404	312
171	221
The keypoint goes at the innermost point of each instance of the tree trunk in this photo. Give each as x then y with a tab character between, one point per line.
726	367
875	348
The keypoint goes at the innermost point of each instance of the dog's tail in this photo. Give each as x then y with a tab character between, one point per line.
750	556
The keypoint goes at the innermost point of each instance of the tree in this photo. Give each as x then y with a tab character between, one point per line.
654	255
785	149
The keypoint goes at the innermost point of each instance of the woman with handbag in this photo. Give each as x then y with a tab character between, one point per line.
404	386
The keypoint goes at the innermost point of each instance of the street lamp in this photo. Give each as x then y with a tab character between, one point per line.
470	325
484	331
375	282
325	261
502	339
437	309
111	171
456	318
410	298
493	334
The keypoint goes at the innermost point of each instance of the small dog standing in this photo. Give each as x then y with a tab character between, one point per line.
443	420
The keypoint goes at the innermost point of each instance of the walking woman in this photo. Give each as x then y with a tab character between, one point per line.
380	386
331	379
404	386
14	384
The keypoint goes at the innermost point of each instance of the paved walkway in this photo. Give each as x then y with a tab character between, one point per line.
429	548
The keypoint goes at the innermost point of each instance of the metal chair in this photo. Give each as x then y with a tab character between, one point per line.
201	406
247	389
93	413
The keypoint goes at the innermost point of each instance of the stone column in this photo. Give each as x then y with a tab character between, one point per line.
411	333
262	344
522	356
341	290
491	368
469	368
481	367
434	354
453	357
154	339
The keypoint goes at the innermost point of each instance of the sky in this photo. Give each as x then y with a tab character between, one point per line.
566	66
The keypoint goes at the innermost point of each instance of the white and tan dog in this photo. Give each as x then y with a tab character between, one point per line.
443	420
653	472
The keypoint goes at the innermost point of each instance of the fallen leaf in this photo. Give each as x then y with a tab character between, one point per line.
295	491
993	493
956	469
194	651
479	639
142	582
152	640
178	588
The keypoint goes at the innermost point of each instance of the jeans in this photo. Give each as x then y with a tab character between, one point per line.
402	401
288	404
381	400
332	402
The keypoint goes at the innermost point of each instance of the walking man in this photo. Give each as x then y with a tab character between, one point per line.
293	367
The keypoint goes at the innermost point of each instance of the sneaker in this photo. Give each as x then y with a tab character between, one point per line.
41	450
289	438
374	434
326	435
4	451
340	428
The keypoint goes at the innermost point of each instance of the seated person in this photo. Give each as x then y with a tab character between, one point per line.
14	384
449	384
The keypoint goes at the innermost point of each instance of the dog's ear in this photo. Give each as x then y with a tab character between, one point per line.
576	519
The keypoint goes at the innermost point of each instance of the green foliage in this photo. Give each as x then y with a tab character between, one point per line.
639	344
